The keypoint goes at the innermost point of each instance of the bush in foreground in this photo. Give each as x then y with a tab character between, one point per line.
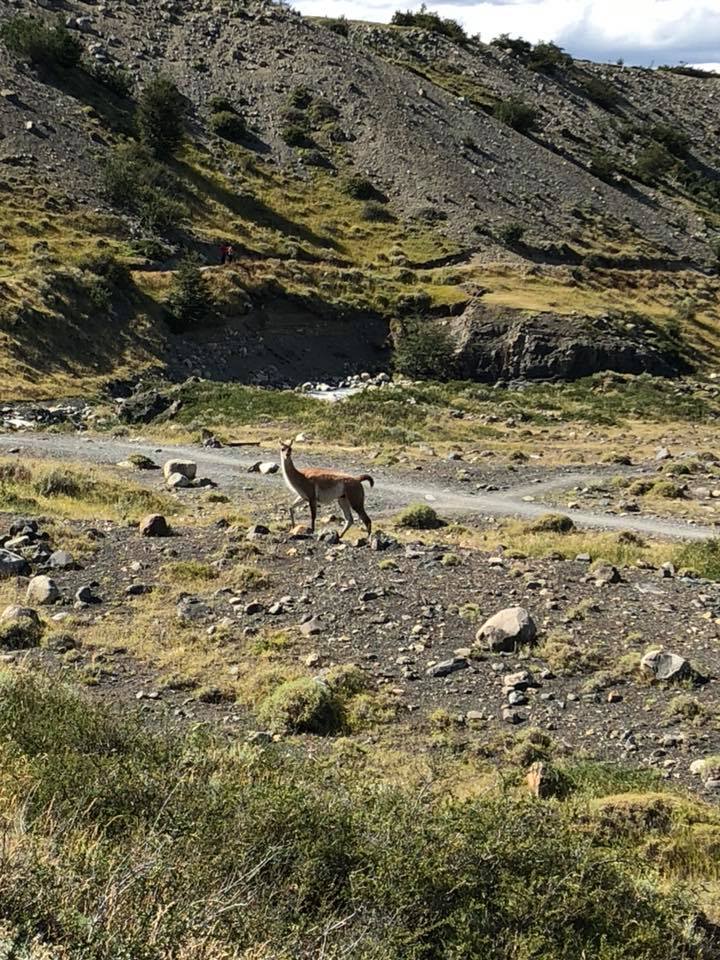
226	852
419	516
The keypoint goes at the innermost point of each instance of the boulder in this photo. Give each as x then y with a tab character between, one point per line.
177	480
42	589
20	628
507	630
61	560
268	468
666	667
188	468
154	525
12	565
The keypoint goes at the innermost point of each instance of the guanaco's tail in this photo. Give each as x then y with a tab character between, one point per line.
366	476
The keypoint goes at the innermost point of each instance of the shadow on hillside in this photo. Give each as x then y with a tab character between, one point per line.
248	207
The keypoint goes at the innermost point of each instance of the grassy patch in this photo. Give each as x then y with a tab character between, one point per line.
219	849
76	492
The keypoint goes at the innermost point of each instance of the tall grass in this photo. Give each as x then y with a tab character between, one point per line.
119	844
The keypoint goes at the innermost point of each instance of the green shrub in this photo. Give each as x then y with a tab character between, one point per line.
61	483
301	706
653	162
40	43
516	114
296	135
115	79
107	265
674	139
552	523
429	20
220	105
549	58
600	91
300	97
511	234
338	25
519	48
136	182
228	125
703	558
376	212
424	350
160	116
419	516
190	302
603	165
322	110
360	188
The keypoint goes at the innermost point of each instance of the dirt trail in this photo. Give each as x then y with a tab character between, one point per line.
228	467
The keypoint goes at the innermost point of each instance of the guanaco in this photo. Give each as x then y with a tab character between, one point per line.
321	486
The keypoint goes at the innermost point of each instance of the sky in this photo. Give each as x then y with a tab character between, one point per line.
643	32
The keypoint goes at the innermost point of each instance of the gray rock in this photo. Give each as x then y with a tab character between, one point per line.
154	525
86	594
513	716
177	481
606	574
254	608
12	565
15	612
61	560
507	630
187	468
311	628
42	590
667	667
267	468
446	667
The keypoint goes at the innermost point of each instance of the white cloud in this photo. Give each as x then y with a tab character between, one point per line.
642	31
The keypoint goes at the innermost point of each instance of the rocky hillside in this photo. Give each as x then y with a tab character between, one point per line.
362	172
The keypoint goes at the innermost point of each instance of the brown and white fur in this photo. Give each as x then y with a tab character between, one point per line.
313	486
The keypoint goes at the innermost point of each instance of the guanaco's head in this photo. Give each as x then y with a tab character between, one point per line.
286	450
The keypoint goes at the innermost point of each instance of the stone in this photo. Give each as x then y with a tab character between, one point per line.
86	594
507	630
606	574
311	628
15	612
538	780
137	589
516	699
666	667
187	468
154	525
300	532
257	530
61	560
177	481
446	667
254	608
518	681
267	468
12	565
42	589
513	716
663	454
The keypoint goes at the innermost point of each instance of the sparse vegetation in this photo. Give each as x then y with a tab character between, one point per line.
228	125
516	114
47	45
426	19
263	822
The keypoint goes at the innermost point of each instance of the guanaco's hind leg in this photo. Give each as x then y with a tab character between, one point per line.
313	512
356	496
347	512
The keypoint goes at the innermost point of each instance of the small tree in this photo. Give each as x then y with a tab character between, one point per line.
516	114
424	351
190	302
653	162
161	115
